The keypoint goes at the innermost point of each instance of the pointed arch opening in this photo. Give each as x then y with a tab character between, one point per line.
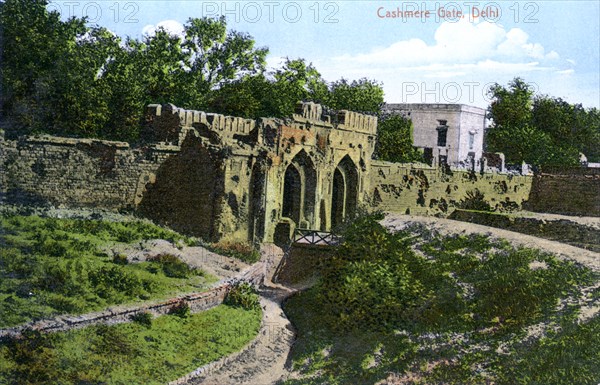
256	229
344	197
292	197
299	191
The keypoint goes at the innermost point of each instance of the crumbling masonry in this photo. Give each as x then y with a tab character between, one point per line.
229	178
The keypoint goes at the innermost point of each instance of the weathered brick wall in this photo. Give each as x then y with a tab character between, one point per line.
570	192
77	172
425	190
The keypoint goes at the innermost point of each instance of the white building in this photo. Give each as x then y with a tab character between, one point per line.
449	134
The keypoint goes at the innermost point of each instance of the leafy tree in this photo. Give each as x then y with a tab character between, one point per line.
395	140
215	57
540	130
78	96
142	73
362	95
47	65
244	97
294	81
511	106
570	126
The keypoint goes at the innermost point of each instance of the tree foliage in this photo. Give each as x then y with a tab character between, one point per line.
541	130
395	140
361	95
66	78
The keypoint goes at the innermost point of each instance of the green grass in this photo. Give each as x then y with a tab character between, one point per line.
239	250
130	353
465	297
52	266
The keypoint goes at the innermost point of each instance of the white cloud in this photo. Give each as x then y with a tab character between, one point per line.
173	27
463	53
462	42
566	72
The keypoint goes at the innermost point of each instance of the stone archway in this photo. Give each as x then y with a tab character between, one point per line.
344	197
256	228
292	194
299	191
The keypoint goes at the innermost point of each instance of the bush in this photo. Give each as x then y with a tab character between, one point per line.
120	259
173	267
243	295
374	278
107	279
180	309
144	318
240	250
475	200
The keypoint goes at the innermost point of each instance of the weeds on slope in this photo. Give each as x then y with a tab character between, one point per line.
51	266
157	352
417	307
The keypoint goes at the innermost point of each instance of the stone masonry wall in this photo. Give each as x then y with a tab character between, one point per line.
417	189
77	172
570	192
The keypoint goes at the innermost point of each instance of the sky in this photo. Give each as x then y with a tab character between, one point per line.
421	51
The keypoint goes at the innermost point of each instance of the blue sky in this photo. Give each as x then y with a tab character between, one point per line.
446	57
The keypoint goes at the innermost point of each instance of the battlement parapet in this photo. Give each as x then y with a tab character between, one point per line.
182	118
343	119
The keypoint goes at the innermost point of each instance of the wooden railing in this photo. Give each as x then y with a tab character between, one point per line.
314	237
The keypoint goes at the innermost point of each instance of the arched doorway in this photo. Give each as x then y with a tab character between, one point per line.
344	197
292	194
256	228
338	197
299	191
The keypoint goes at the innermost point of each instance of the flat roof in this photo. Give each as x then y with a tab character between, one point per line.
433	107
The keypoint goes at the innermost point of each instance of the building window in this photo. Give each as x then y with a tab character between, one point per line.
442	133
471	140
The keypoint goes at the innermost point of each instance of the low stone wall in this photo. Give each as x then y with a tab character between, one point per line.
560	230
197	302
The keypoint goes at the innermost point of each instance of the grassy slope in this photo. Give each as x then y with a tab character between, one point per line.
54	266
484	297
129	353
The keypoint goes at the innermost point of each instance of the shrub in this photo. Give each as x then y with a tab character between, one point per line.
475	200
374	278
172	266
143	318
240	250
180	309
243	295
120	259
107	279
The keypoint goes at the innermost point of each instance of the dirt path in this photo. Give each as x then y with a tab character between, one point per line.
218	265
448	226
264	362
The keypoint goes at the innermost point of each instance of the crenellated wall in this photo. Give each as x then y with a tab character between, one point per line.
234	179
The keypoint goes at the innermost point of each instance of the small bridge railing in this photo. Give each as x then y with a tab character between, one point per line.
314	237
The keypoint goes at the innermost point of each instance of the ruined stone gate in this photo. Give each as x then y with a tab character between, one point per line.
262	179
229	178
